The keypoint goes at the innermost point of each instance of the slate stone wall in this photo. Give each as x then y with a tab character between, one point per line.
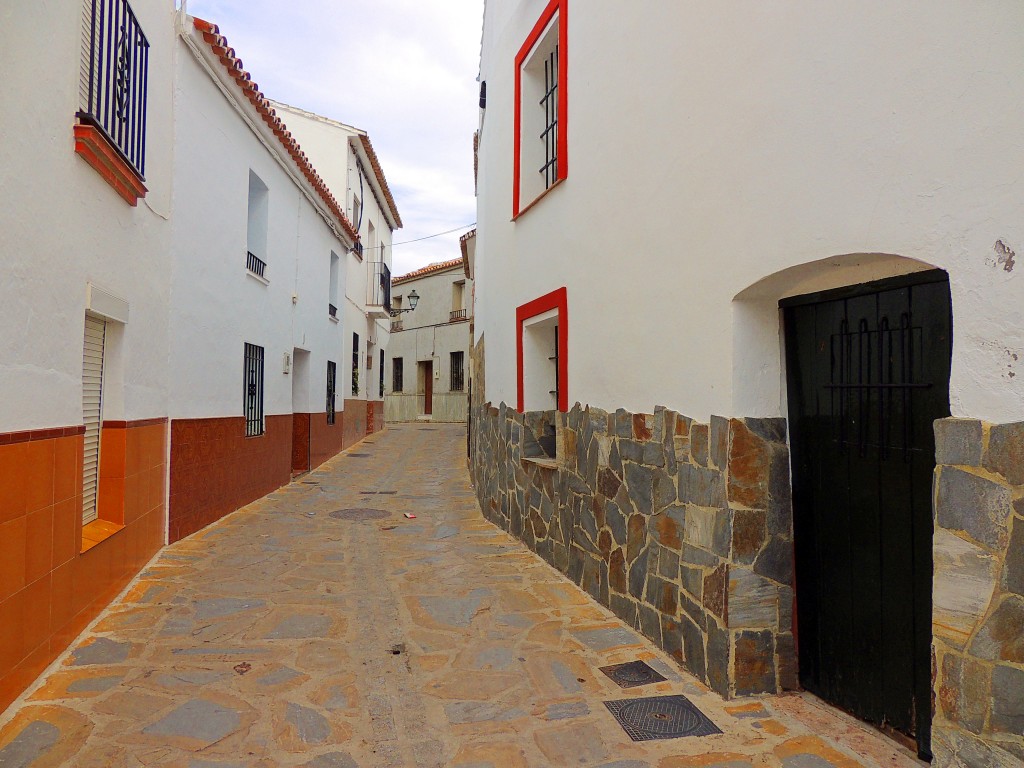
978	594
683	529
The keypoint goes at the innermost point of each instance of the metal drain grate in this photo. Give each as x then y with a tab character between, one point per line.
377	493
632	674
660	717
359	513
358	455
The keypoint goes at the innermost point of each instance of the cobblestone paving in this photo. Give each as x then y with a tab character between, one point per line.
285	636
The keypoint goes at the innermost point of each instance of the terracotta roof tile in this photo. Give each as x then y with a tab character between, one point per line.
379	173
428	270
220	48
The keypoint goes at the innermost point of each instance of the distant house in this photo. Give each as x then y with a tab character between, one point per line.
428	357
749	342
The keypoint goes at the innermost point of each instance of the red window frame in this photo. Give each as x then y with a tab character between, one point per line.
553	8
557	300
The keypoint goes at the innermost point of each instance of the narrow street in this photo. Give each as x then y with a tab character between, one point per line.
321	627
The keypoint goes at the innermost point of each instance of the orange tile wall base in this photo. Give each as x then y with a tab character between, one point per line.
49	592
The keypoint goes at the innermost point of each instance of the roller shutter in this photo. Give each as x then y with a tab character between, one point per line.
92	412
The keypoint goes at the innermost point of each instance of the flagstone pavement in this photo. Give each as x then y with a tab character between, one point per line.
287	636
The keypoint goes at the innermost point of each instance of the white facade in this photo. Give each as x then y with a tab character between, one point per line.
218	304
345	159
424	339
65	228
744	155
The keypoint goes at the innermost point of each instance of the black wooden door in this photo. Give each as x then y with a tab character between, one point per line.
868	373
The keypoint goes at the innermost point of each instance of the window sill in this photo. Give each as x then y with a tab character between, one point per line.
538	198
94	148
97	532
542	462
333	319
256	277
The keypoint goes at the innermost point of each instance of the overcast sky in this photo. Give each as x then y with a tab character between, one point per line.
403	70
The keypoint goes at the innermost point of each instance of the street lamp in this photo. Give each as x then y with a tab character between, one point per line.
414	299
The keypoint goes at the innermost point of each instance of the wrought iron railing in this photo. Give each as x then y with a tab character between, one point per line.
358	249
332	310
379	286
118	73
456	315
255	264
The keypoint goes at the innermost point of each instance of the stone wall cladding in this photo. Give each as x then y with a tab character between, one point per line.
978	594
682	529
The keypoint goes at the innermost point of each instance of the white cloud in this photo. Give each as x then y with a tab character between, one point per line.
403	70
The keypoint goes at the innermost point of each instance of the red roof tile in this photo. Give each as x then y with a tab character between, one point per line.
379	173
219	45
428	270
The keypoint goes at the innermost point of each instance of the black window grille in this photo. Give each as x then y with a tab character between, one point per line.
355	364
458	372
118	73
554	358
549	101
396	374
332	371
253	390
380	392
255	264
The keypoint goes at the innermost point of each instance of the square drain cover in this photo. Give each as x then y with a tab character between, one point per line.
632	674
660	717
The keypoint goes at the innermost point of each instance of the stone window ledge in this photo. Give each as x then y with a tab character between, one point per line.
541	461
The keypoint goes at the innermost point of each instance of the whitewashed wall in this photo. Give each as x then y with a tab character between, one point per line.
725	143
331	146
64	226
216	306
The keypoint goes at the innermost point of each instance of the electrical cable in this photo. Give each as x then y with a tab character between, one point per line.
425	237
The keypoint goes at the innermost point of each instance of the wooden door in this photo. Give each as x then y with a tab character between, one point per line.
428	388
868	374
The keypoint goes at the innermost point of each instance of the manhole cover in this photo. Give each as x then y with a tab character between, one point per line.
359	513
632	674
660	717
358	455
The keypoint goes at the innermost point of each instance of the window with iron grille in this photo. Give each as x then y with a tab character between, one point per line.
355	364
253	390
549	102
332	370
540	149
115	72
396	374
458	373
381	388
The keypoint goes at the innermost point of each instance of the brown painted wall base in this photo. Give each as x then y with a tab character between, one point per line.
49	591
325	439
354	420
215	468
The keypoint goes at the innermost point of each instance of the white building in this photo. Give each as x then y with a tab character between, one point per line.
668	244
174	267
85	199
428	357
349	164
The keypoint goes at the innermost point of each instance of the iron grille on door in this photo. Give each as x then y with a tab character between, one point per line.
92	410
331	377
396	374
458	372
355	364
381	392
115	73
253	390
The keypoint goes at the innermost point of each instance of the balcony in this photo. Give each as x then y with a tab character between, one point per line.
357	249
457	315
397	325
378	289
